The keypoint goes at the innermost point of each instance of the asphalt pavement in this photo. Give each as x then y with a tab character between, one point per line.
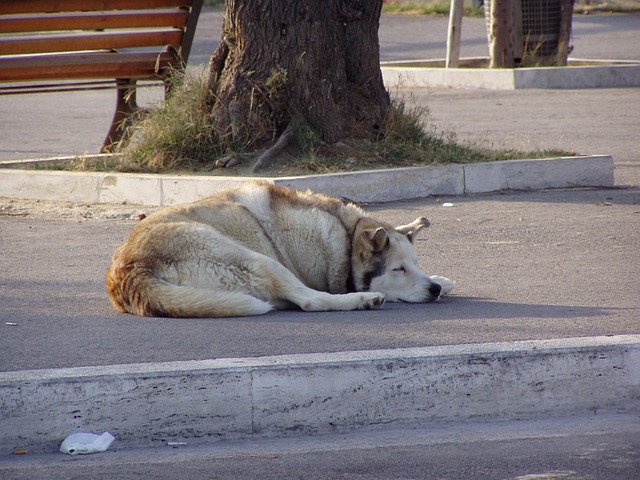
532	265
581	448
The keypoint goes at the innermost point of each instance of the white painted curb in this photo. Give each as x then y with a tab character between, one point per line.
364	186
565	172
203	401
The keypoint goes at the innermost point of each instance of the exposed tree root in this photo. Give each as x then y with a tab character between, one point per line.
271	153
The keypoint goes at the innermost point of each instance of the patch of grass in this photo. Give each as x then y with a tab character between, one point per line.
428	8
179	137
606	6
405	140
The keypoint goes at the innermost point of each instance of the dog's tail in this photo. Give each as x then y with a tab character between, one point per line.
139	291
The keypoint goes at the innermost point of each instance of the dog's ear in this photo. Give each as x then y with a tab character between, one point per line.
376	239
411	229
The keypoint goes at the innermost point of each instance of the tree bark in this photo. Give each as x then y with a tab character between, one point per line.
501	34
302	61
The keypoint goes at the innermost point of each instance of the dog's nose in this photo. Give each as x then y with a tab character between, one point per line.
435	289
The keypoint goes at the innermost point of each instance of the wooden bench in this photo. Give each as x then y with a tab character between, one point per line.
64	45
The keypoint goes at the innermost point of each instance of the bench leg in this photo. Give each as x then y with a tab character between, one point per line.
126	106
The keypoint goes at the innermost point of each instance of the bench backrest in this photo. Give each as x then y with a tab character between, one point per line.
30	27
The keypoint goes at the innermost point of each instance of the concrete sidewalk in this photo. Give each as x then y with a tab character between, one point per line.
540	268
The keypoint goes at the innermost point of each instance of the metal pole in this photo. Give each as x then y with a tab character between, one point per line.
453	34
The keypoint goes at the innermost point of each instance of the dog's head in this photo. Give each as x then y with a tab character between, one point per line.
384	260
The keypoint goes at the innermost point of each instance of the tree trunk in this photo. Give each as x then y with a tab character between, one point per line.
300	61
501	34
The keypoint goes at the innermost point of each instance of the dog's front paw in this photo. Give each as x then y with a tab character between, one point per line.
371	301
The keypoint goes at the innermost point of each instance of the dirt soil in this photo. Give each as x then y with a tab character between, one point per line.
47	209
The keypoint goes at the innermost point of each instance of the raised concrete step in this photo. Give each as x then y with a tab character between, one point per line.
364	186
472	74
201	401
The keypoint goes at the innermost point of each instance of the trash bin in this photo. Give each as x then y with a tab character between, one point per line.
536	30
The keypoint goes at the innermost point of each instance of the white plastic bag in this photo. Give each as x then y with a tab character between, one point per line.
446	284
83	443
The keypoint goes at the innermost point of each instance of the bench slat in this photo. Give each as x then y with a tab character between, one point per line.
70	86
90	41
83	65
89	21
38	6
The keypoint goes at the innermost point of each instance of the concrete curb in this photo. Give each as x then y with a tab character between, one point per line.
365	186
203	401
579	74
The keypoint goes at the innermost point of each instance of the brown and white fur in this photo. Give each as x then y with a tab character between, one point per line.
260	247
